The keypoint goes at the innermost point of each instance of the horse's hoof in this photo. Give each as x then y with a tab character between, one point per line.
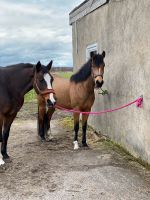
7	159
5	156
76	145
85	145
43	140
48	140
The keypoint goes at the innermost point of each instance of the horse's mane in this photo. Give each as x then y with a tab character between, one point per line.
82	74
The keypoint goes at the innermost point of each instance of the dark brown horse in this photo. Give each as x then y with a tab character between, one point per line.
76	93
15	82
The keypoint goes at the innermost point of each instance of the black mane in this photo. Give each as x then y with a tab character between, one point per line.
97	60
83	73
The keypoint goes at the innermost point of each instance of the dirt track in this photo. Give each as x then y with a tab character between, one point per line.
52	170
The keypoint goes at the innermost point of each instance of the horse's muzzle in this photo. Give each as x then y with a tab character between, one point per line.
99	84
50	104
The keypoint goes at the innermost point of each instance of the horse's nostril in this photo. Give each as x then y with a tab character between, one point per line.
99	84
49	103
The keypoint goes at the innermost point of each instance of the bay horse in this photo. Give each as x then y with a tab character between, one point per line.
15	82
76	93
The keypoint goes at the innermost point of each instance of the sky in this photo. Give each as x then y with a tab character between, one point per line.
33	30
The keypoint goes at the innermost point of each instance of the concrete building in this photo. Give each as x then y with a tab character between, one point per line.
122	29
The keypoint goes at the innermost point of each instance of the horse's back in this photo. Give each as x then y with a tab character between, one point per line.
61	87
61	82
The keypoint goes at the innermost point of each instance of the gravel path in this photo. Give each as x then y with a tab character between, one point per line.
52	170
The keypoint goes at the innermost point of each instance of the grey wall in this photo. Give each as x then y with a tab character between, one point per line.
122	29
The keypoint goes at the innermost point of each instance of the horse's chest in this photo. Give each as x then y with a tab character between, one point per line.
82	99
12	106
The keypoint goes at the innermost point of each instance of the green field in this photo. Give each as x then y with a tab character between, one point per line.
65	74
31	96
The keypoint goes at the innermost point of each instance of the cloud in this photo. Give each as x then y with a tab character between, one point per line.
33	30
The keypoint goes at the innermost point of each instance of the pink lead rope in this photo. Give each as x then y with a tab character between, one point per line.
138	102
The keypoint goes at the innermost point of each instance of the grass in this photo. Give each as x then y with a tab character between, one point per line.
65	74
67	122
30	96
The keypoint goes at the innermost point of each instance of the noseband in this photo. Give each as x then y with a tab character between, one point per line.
95	76
45	92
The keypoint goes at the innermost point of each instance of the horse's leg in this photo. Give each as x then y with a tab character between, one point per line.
76	129
41	114
84	128
49	117
6	129
1	126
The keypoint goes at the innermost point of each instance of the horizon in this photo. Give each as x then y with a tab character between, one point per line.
31	30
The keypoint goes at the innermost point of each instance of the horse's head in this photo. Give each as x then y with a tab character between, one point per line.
98	69
43	83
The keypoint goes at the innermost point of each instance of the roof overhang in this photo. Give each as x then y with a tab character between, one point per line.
84	9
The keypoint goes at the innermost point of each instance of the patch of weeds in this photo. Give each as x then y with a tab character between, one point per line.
143	163
116	147
67	122
123	152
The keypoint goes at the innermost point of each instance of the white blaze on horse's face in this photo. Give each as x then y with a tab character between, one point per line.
47	78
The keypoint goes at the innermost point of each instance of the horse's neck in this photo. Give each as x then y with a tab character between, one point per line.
22	80
89	85
27	85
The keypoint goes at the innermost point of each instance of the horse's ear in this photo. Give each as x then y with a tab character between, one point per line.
92	55
38	66
103	54
49	66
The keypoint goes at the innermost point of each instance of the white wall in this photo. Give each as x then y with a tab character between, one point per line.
122	29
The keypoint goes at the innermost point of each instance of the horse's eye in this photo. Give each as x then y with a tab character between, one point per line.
42	80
